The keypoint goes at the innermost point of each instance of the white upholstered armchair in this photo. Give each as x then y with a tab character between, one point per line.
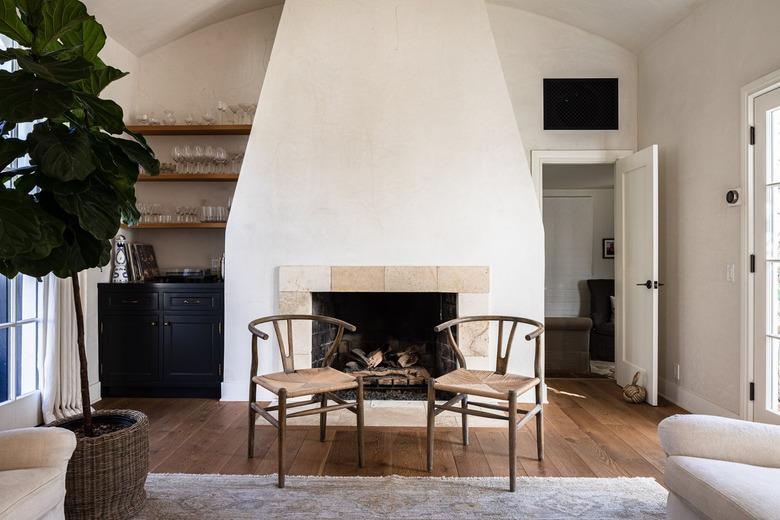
33	464
718	468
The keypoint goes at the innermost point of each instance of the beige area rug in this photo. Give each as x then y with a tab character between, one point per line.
206	497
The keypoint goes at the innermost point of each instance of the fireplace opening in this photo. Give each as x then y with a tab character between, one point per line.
394	348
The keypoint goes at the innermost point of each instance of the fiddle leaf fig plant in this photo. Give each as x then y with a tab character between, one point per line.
59	213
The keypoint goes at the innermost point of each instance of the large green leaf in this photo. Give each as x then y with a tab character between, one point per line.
19	226
12	54
99	79
138	154
31	12
51	69
27	98
61	153
10	150
89	38
58	17
97	210
12	26
103	113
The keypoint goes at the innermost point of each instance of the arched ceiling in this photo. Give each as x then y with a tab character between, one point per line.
632	24
143	25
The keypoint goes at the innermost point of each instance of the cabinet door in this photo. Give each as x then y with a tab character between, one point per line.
192	349
130	349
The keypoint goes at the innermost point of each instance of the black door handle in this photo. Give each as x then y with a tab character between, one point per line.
651	284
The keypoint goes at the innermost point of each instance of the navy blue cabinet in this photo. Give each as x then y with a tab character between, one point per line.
161	339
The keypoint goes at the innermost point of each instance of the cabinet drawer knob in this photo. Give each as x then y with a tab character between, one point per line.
187	301
154	324
167	323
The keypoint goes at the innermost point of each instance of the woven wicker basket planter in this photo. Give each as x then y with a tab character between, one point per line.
106	474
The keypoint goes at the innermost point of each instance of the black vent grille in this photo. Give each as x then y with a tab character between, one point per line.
580	104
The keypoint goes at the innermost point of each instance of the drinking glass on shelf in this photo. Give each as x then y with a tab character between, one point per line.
209	159
197	157
252	112
245	108
220	160
189	119
153	119
170	117
208	117
142	119
234	109
222	108
235	161
177	154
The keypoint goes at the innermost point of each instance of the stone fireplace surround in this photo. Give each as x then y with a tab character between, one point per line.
471	284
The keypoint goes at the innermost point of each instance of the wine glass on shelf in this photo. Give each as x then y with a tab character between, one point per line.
220	159
188	154
209	155
208	117
142	119
189	119
234	108
245	108
252	112
178	157
170	117
198	158
222	108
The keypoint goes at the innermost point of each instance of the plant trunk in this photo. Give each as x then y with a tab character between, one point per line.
85	404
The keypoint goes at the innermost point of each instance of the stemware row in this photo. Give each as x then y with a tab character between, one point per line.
206	159
235	113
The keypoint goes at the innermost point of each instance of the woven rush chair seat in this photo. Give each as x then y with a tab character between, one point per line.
307	381
484	383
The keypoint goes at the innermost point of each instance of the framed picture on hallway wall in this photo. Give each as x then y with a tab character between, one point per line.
607	248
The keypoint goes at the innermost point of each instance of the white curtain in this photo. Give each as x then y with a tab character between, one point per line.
60	382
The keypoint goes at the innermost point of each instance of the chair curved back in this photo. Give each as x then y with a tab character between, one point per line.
502	352
287	352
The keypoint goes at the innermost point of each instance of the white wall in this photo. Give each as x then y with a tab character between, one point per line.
390	141
532	47
222	62
689	104
566	291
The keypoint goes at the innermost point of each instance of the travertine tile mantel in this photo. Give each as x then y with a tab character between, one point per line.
471	283
454	279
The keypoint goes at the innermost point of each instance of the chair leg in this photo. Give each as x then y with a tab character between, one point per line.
323	417
512	438
360	423
540	424
252	418
282	418
431	422
464	419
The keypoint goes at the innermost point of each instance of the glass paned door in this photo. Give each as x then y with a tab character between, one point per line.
766	407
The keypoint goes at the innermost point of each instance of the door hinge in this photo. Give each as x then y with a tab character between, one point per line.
220	370
220	327
752	135
752	263
752	391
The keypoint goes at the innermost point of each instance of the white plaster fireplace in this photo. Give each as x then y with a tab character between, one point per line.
383	155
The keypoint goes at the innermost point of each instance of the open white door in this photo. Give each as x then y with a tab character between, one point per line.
636	270
766	350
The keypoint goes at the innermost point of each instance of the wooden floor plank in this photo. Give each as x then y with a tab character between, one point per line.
590	431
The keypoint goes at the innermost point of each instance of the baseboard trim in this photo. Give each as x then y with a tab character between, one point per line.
690	401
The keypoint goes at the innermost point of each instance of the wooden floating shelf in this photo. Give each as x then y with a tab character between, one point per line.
191	129
190	177
179	225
